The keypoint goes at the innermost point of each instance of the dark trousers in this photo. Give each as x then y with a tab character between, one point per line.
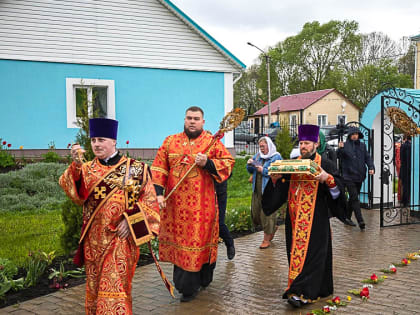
221	192
353	204
187	282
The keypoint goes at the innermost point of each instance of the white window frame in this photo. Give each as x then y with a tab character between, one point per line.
345	118
293	127
326	119
290	119
73	83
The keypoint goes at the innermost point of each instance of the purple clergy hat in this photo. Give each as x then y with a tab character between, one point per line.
308	133
103	128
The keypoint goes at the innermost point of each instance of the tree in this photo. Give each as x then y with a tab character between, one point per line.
82	121
307	59
245	91
330	55
284	142
365	83
406	62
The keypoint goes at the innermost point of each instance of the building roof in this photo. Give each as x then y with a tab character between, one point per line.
294	102
202	32
415	38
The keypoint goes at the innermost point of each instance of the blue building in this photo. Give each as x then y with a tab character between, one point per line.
145	61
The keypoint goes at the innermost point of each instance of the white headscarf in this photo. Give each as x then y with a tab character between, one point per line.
271	148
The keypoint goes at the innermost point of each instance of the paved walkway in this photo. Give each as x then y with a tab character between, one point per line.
254	281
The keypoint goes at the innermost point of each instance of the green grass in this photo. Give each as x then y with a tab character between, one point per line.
26	231
238	209
238	185
30	212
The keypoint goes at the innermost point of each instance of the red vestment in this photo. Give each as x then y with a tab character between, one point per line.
110	261
189	229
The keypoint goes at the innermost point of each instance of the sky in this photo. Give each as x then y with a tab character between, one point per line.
264	23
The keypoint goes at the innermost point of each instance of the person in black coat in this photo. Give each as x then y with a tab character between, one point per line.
405	170
354	158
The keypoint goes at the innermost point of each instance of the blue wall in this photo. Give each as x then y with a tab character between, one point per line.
149	103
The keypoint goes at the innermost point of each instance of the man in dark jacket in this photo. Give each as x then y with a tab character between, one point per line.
221	194
354	158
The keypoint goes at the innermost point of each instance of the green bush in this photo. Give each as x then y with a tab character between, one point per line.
239	219
35	267
51	157
7	269
284	142
6	159
33	187
72	216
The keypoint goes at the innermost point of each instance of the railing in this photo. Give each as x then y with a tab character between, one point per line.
246	137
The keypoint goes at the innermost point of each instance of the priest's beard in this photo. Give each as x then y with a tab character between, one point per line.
192	134
308	154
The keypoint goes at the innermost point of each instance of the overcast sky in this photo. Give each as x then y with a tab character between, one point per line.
265	22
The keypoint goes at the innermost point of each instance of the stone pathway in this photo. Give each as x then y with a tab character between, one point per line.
254	281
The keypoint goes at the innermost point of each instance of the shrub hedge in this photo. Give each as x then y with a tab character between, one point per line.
31	188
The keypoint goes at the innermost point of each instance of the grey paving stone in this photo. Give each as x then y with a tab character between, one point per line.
254	281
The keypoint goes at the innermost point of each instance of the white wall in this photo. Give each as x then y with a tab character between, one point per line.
141	33
228	106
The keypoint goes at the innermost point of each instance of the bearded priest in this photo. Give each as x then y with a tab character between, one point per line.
312	200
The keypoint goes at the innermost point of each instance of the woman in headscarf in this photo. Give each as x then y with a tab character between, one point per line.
258	167
325	150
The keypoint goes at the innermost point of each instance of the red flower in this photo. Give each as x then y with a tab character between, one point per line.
326	309
393	269
336	300
405	261
9	145
246	146
69	145
4	142
374	277
364	293
127	142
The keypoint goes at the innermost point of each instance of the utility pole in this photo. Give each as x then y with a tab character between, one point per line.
267	63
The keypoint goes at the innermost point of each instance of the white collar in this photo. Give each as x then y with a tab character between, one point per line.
110	157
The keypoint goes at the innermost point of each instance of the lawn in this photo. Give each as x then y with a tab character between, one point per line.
26	227
26	231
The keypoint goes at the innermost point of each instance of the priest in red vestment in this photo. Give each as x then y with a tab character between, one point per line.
189	229
106	247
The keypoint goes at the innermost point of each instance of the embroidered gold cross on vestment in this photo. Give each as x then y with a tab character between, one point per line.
100	192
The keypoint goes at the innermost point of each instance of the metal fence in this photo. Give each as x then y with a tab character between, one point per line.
246	137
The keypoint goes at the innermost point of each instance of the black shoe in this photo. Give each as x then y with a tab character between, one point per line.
295	301
230	252
187	298
349	222
362	226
